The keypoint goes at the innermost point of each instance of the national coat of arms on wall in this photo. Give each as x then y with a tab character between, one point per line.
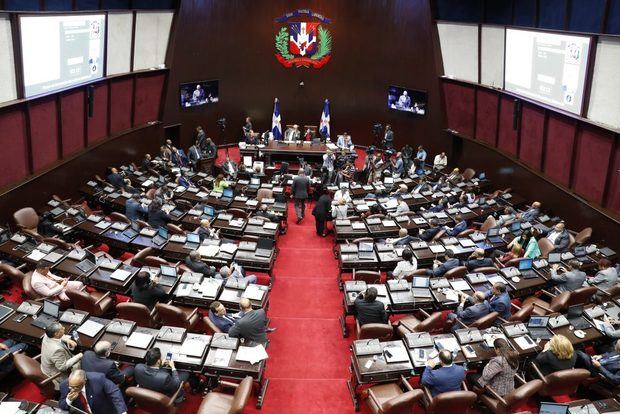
303	43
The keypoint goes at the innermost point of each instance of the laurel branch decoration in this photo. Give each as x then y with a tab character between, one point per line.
325	44
282	43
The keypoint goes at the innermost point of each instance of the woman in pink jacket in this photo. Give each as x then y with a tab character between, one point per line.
51	286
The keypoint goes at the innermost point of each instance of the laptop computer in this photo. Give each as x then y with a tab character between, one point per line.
365	251
132	231
168	275
192	241
420	287
227	194
88	263
575	317
525	268
209	211
161	237
554	258
51	311
537	326
493	235
515	227
553	408
264	247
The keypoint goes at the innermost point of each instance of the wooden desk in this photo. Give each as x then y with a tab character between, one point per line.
125	353
250	261
185	362
100	278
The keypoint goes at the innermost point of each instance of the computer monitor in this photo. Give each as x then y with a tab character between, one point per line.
163	233
516	226
420	282
526	264
574	311
51	308
168	270
228	193
193	238
538	321
209	211
552	408
580	251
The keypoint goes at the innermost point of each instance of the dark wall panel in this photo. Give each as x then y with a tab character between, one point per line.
87	4
22	5
613	198
524	13
44	133
148	97
486	116
58	5
498	11
115	4
593	152
98	123
120	111
551	14
459	107
507	136
586	15
532	129
559	149
613	20
14	154
72	106
460	10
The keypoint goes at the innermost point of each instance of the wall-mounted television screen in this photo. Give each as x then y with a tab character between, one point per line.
407	100
199	93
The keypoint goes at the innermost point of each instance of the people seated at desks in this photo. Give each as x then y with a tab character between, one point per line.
403	238
499	300
156	216
160	375
210	149
368	309
558	354
50	286
606	277
441	205
398	166
531	213
455	176
235	271
56	356
134	210
400	190
323	212
406	266
571	278
339	210
420	157
229	167
422	186
147	163
219	317
97	361
205	231
194	154
146	291
182	180
292	133
220	183
92	393
559	237
117	179
478	307
527	240
252	325
439	184
163	194
195	264
607	365
477	259
9	346
401	208
264	212
344	141
440	162
443	375
505	257
428	234
500	371
507	216
611	327
459	227
165	151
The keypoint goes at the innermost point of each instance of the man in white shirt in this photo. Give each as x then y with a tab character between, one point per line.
401	208
345	142
341	193
440	162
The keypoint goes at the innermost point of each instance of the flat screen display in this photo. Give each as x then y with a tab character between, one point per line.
61	51
199	93
547	67
407	100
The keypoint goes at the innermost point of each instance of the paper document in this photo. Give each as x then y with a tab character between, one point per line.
184	290
10	407
228	248
450	344
459	285
398	354
120	274
139	340
253	292
252	354
208	251
523	342
36	255
222	357
193	347
90	328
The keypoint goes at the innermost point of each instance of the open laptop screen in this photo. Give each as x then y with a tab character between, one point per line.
51	308
553	408
525	264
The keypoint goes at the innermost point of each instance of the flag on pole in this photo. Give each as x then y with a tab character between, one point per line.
276	127
324	127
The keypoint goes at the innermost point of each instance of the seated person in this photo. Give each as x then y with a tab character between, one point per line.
500	371
440	162
607	365
527	241
531	213
606	277
401	208
147	292
459	227
97	361
422	186
611	327
428	234
342	193
368	309
507	216
405	267
439	269
229	167
558	354
264	212
559	237
160	375
340	210
177	158
478	307
156	216
292	133
50	286
195	264
219	317
236	272
499	300
252	325
90	393
477	259
398	166
403	238
9	346
146	163
444	376
206	232
219	184
344	141
455	176
134	210
183	181
571	277
513	253
117	180
400	190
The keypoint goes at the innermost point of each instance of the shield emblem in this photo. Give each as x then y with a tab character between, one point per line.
302	38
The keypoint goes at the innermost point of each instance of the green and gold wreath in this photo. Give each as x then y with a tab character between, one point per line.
282	44
325	44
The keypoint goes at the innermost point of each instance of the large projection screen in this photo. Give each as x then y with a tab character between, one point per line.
547	67
61	51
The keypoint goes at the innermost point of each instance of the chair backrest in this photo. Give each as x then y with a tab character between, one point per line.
426	325
31	370
368	276
487	270
439	235
136	312
26	218
58	242
116	216
465	233
241	397
564	382
613	292
150	194
171	315
417	272
154	261
522	394
174	229
455	272
14	274
452	402
83	301
380	331
485	322
150	401
522	314
211	327
264	193
27	287
545	246
581	295
363	239
489	223
238	213
403	403
183	204
583	236
468	174
560	302
138	258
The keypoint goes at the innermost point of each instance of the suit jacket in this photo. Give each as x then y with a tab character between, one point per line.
605	279
568	281
161	380
500	304
251	326
203	233
211	151
322	208
133	209
472	264
149	297
548	363
199	267
561	241
429	233
116	180
102	395
91	362
158	218
389	136
146	164
460	227
194	155
530	214
472	313
443	379
369	312
56	357
300	187
610	367
443	268
222	322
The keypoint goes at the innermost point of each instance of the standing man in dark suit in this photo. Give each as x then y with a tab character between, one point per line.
194	155
252	325
155	375
388	139
146	162
321	213
201	138
97	361
299	192
92	393
368	309
217	315
210	149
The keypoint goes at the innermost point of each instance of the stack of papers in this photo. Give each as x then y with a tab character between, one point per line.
523	342
139	340
228	247
253	292
120	274
36	255
193	347
252	354
208	251
90	328
222	357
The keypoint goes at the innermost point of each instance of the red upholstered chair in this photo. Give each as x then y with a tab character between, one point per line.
422	322
155	261
115	216
417	272
481	323
138	313
30	369
27	219
489	223
174	229
381	331
466	233
522	313
211	327
264	193
468	174
448	402
217	402
179	316
581	295
153	402
512	401
564	382
583	236
14	273
486	270
393	398
237	213
459	271
95	303
439	235
138	259
545	246
558	303
368	276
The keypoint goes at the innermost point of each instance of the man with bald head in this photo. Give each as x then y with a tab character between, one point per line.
559	237
442	374
92	393
252	325
478	307
97	361
477	260
531	213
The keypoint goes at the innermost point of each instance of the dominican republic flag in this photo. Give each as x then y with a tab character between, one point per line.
276	127
324	127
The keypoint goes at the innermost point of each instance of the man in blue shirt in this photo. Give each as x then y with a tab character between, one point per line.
398	167
499	300
439	269
461	226
219	317
445	378
470	314
421	156
133	208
